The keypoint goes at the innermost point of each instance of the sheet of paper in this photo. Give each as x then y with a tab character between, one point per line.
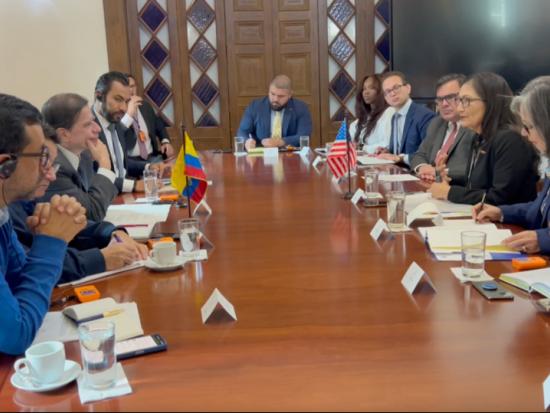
448	209
378	228
422	211
371	160
457	272
415	199
449	240
199	255
138	219
397	178
271	152
56	327
457	225
93	277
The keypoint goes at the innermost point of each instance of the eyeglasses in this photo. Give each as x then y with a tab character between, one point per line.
466	101
44	156
395	89
450	99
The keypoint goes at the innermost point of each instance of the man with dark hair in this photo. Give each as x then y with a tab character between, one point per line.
409	122
445	141
112	95
277	119
146	138
79	147
27	280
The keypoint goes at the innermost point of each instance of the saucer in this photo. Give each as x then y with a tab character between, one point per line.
177	263
72	371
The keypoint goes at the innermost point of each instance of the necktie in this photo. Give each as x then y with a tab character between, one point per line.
277	125
395	148
450	140
140	137
83	177
119	158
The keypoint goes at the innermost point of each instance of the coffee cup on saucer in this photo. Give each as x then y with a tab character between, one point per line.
164	253
44	363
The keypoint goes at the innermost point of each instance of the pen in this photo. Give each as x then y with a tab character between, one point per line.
133	225
482	202
117	238
110	313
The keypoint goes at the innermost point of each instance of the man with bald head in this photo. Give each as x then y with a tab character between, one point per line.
277	119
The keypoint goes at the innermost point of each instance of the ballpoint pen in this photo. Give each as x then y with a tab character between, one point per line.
482	203
105	314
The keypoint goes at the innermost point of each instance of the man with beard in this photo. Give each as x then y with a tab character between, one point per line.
112	97
277	119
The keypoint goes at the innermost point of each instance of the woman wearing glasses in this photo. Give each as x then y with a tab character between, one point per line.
372	128
502	166
533	106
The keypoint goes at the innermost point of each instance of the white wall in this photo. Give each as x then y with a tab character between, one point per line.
51	46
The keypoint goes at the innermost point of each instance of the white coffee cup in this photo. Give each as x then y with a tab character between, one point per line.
44	362
164	253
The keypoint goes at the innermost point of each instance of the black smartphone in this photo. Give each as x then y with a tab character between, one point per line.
138	346
492	291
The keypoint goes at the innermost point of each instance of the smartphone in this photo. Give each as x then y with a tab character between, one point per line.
492	291
138	346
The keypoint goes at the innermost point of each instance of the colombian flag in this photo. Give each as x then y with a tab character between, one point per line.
189	166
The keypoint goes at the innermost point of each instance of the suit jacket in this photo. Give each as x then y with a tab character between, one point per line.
414	130
133	169
530	215
256	121
157	133
83	256
505	167
459	152
94	192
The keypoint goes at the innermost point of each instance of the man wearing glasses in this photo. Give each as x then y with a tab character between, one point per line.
409	123
445	142
27	280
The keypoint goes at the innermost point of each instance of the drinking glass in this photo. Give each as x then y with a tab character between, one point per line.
151	184
473	253
239	144
97	346
189	234
304	142
371	187
396	210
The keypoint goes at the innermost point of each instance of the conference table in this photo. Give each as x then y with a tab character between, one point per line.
323	322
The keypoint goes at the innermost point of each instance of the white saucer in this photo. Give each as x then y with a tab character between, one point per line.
152	265
72	371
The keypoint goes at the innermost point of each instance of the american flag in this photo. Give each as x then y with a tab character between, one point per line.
338	156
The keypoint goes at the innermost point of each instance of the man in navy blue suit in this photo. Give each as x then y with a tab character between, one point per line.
409	122
277	119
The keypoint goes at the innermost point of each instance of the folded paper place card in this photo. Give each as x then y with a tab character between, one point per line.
271	152
378	228
413	276
204	205
546	391
359	195
317	161
198	255
304	151
217	301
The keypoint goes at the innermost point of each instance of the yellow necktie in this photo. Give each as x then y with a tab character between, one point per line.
277	126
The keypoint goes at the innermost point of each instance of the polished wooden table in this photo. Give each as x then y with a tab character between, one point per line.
323	320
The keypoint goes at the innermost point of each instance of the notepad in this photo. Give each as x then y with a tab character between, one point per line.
371	160
137	219
127	323
534	280
448	239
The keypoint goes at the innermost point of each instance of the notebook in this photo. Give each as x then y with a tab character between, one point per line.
534	280
137	219
127	322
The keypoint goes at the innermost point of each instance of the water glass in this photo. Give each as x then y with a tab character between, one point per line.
97	346
151	184
473	253
239	144
396	210
304	142
371	188
189	234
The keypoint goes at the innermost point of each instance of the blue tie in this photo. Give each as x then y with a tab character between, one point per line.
395	148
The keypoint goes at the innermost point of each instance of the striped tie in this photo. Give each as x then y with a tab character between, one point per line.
277	125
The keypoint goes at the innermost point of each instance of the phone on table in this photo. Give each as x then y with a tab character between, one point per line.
492	291
138	346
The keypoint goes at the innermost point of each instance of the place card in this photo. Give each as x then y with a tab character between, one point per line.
413	276
359	195
318	160
203	204
378	228
304	151
197	255
217	301
271	152
546	391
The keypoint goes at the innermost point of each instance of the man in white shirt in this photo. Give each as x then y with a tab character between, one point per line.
446	142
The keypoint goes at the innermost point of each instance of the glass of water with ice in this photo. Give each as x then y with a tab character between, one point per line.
473	253
189	234
97	347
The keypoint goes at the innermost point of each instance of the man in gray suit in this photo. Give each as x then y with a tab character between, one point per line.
445	141
78	133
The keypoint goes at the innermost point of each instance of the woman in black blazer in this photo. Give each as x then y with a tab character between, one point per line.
503	165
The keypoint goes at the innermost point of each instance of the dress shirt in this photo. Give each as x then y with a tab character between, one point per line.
74	160
401	125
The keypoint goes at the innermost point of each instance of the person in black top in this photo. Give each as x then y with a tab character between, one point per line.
502	165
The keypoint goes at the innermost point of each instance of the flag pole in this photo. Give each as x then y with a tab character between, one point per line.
349	194
182	126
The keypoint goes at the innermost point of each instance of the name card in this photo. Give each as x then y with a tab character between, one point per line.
271	152
203	204
198	255
318	160
413	276
217	301
546	391
304	151
378	228
359	195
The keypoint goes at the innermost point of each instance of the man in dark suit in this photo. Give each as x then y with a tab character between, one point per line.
146	138
277	119
409	122
79	147
112	94
445	141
